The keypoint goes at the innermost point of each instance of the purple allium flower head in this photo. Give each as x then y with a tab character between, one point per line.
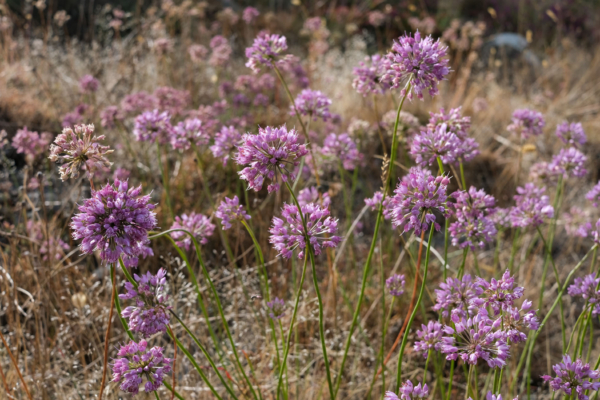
431	336
312	103
569	162
276	308
115	222
88	84
577	222
250	14
137	362
267	51
491	396
501	217
198	225
421	60
188	132
454	121
288	233
418	194
596	233
31	143
376	18
532	206
172	100
150	314
514	321
77	149
375	201
472	227
226	141
432	143
593	195
197	53
109	115
272	150
456	295
571	134
121	174
526	123
395	284
543	172
230	210
409	392
153	125
341	147
587	288
139	102
311	195
369	76
573	378
473	338
498	294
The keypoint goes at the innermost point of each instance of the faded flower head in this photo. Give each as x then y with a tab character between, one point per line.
267	50
532	206
369	75
272	150
571	134
342	149
150	314
153	125
421	60
287	234
115	222
188	132
77	149
456	296
431	336
276	308
172	100
226	141
250	14
197	53
109	115
526	123
311	195
139	102
543	172
569	162
137	362
312	103
198	225
230	210
395	285
577	222
88	84
573	378
31	143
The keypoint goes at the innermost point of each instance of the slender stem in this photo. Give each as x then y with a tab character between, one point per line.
383	319
469	390
513	250
461	270
205	187
107	336
451	378
165	180
14	361
462	176
263	269
446	237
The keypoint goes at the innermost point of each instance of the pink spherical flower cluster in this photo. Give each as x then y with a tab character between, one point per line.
311	195
250	14
267	51
197	53
187	133
531	208
409	392
431	338
395	285
88	84
342	148
577	222
198	225
370	76
456	296
498	294
172	100
288	233
312	103
110	115
574	378
587	288
473	226
31	143
230	210
276	308
153	125
569	162
526	123
272	150
571	134
226	141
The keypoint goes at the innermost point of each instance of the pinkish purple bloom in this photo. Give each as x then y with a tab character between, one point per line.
526	123
501	217
88	84
312	103
490	396
515	321
50	247
416	197
78	149
409	392
115	222
250	14
395	285
532	206
588	288
109	115
188	132
311	195
287	234
420	60
543	172
342	149
121	174
375	201
197	53
573	378
226	141
594	194
198	225
431	337
150	314
172	100
31	143
569	162
138	362
454	121
230	210
456	296
139	102
369	75
577	222
571	134
272	150
472	226
153	125
276	308
430	144
266	51
498	294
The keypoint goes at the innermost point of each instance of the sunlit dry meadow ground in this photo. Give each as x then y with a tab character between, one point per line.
54	310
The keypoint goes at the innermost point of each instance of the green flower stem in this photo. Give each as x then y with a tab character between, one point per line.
446	237
346	197
497	250
440	165
165	180
462	176
593	263
373	242
450	379
461	270
513	250
205	187
291	329
412	315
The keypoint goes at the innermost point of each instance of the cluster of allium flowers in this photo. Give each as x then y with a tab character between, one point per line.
137	362
226	140
266	51
369	75
418	194
571	134
188	132
272	150
543	172
527	123
420	60
115	222
162	46
109	116
395	284
172	100
515	321
472	227
311	195
276	308
531	207
77	149
456	295
573	378
250	14
501	217
136	103
407	124
153	125
88	84
121	174
431	337
587	288
473	338
454	121
150	314
577	222
77	116
287	234
430	144
197	52
312	103
376	18
375	201
198	225
409	392
342	149
594	194
230	210
31	143
569	162
498	294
